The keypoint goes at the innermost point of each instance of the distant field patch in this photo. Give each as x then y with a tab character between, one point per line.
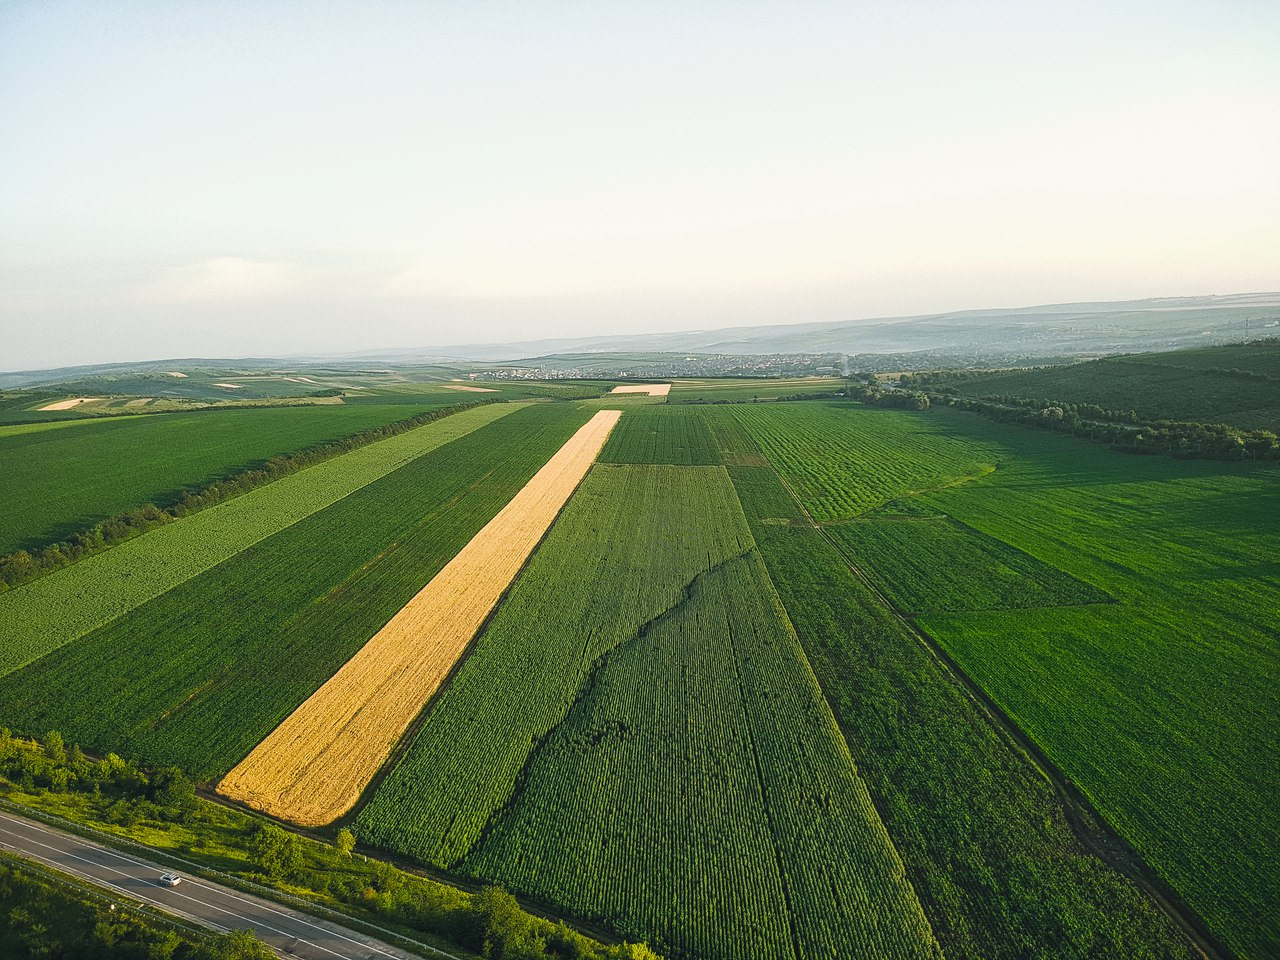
1237	385
746	389
230	386
936	565
69	404
469	389
314	766
652	389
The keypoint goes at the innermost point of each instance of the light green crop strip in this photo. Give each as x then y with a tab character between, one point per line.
17	429
62	606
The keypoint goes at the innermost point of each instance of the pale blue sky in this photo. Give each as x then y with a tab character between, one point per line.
252	178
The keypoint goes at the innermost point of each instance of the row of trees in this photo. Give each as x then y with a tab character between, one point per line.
23	565
1121	429
134	793
881	397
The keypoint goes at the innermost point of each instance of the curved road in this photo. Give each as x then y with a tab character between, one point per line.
287	931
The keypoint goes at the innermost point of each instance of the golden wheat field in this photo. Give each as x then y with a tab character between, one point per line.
313	767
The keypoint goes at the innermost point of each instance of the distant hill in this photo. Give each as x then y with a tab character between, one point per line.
969	338
1238	385
1007	334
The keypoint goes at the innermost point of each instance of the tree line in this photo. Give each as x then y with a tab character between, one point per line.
1123	430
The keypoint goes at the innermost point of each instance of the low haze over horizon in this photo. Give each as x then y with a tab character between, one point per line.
234	179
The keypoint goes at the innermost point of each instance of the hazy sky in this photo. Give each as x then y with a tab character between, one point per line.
229	179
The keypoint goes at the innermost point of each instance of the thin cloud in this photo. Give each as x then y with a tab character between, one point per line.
224	278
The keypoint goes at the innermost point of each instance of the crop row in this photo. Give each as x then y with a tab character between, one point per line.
44	614
637	739
845	459
660	433
934	565
199	675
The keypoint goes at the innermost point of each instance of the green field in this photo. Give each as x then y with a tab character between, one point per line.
658	433
845	459
723	708
644	663
1155	706
739	389
985	841
934	564
1176	681
58	480
67	604
1236	385
295	605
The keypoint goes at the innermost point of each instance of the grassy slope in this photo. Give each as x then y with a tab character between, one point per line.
643	661
199	675
1156	706
1180	385
58	481
46	613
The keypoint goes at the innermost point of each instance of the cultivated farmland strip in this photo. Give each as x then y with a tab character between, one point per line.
638	739
314	766
200	675
47	613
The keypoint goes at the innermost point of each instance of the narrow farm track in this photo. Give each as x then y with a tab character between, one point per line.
315	765
1089	827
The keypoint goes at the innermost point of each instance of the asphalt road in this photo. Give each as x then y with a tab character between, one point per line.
289	932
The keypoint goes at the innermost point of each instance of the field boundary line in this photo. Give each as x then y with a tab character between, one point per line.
1090	828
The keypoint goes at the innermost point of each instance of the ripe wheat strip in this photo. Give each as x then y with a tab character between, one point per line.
313	767
68	404
652	389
